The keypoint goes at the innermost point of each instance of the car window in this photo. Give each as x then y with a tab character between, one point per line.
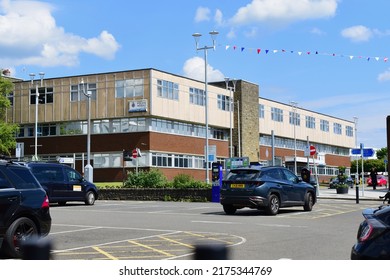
72	175
4	184
290	176
22	178
48	173
274	173
243	174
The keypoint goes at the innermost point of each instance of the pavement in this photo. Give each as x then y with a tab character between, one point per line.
365	193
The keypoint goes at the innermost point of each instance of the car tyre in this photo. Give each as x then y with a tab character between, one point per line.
19	231
309	202
90	198
229	209
62	203
273	205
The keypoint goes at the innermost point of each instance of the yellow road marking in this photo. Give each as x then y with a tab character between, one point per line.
151	248
105	253
177	242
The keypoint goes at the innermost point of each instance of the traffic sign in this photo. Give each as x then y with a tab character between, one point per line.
367	152
312	150
135	153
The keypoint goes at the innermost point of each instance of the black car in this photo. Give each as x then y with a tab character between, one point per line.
268	188
373	235
63	183
24	208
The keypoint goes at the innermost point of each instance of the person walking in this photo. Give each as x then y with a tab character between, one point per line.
373	176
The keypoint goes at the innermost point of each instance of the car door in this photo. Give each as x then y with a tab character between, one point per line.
297	189
52	180
9	201
279	184
75	183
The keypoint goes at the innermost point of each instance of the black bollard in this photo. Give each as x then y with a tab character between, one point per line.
211	252
357	194
36	249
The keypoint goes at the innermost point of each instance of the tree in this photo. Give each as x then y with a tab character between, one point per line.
381	153
7	130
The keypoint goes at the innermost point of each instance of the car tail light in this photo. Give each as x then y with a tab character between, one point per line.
45	203
365	232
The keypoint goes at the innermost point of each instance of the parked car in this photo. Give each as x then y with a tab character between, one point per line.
335	181
267	187
24	208
381	181
63	183
373	235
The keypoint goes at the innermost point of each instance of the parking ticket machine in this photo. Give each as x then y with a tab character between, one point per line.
216	177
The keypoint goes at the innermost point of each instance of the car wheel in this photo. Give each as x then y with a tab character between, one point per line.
273	205
90	198
62	203
309	202
20	230
229	209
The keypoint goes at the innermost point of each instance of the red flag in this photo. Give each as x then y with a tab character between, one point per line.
258	51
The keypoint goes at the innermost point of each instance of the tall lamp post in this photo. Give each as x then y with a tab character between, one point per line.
294	109
32	75
357	181
88	169
205	49
233	88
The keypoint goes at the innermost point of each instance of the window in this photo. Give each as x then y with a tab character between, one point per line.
337	128
129	88
161	159
277	114
45	95
197	96
349	131
224	102
10	97
324	125
77	92
295	118
310	122
47	129
261	111
167	90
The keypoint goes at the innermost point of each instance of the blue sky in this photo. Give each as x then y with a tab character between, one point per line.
345	75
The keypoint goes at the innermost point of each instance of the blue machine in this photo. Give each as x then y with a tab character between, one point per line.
217	176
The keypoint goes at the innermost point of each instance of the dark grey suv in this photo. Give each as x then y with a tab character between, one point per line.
24	208
265	187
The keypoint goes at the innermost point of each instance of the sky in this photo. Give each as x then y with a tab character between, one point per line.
328	56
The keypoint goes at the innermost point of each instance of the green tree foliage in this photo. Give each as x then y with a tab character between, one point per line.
368	165
381	153
7	130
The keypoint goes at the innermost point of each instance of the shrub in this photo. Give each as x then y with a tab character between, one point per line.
183	181
146	179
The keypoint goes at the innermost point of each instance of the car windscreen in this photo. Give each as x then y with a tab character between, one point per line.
243	174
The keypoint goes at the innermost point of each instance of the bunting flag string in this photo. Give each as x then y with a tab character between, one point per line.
301	53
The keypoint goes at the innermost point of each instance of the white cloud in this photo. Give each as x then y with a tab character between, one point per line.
358	33
30	36
202	14
385	76
284	10
194	68
218	17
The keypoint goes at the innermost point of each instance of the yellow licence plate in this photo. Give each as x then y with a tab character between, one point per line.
237	186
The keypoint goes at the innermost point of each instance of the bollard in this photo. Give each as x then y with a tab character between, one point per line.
357	194
36	249
211	252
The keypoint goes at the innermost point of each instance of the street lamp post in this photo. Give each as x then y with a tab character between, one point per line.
32	75
357	181
205	48
294	109
88	169
233	88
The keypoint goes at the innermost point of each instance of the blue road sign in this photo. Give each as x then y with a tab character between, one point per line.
367	152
